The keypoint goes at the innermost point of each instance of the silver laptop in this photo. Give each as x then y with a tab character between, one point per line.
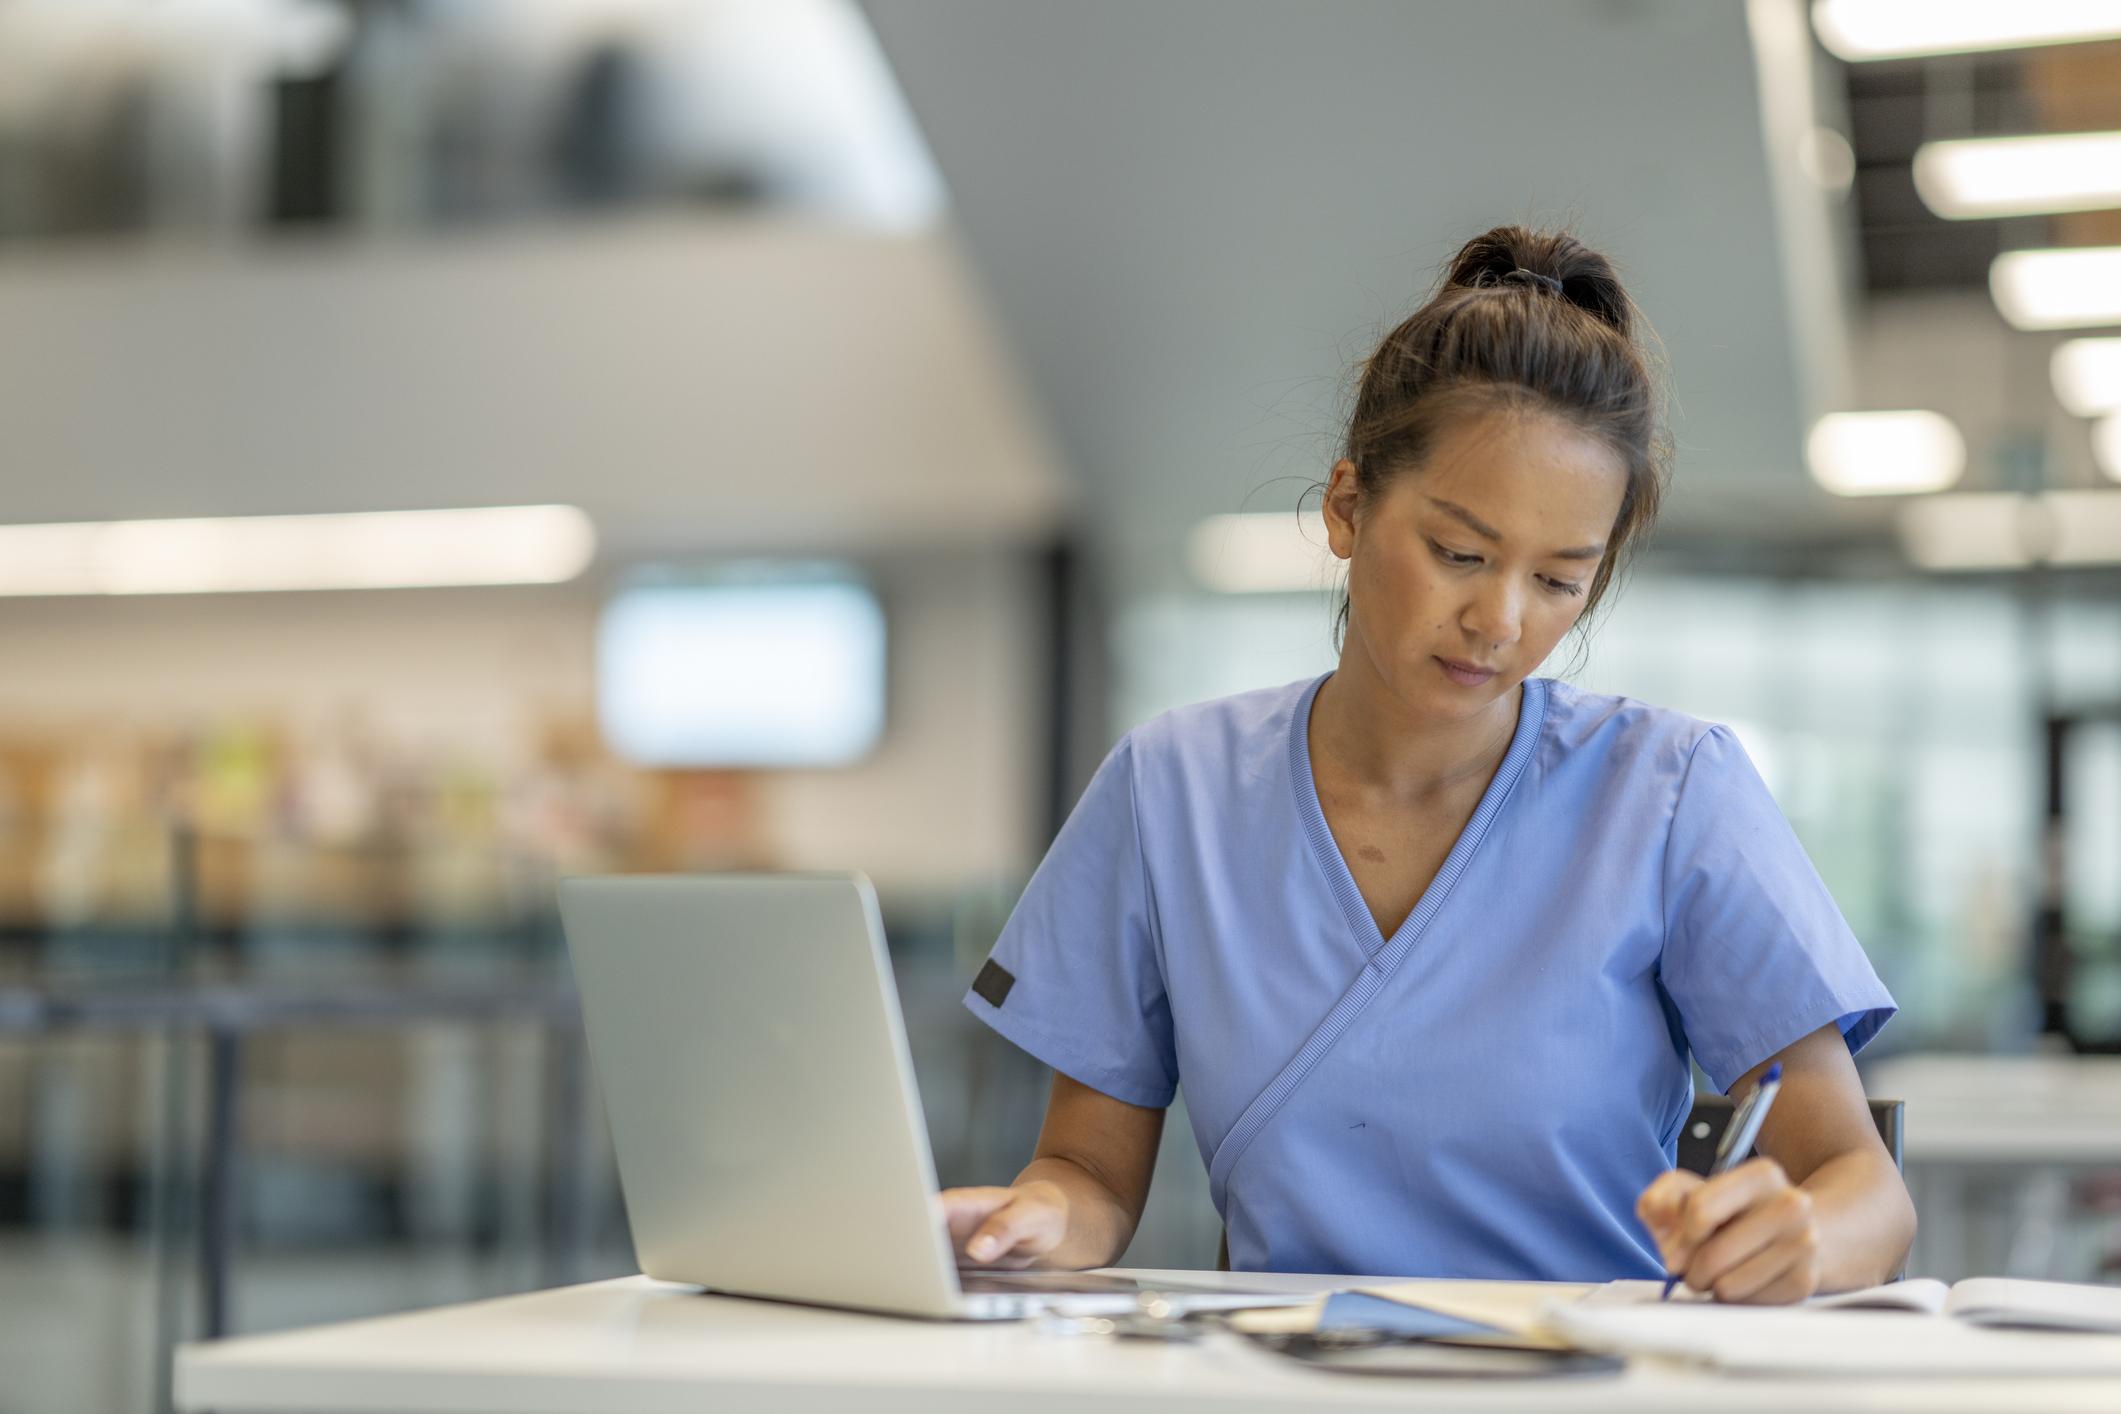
746	1034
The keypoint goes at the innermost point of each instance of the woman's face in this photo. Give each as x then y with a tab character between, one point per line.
1468	569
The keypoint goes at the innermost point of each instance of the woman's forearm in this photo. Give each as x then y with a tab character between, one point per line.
1099	1227
1865	1219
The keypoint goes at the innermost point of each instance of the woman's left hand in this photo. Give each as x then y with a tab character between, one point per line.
1747	1235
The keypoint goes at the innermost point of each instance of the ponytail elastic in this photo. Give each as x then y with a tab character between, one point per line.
1522	276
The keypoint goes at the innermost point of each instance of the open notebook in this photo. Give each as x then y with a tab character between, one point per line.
1854	1333
1981	1301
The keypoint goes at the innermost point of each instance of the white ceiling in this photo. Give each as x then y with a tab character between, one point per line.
1192	217
1196	215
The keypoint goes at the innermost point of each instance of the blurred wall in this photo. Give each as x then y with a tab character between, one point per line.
478	677
705	382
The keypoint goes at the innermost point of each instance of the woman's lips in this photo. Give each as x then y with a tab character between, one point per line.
1465	674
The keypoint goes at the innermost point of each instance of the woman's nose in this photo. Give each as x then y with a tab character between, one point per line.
1495	615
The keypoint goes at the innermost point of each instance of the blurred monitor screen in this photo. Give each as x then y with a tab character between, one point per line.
747	672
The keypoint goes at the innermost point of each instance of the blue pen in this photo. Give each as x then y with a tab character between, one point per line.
1738	1137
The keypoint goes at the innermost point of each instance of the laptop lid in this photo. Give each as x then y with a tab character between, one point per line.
745	1031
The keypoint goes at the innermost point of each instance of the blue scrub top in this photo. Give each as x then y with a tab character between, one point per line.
1485	1093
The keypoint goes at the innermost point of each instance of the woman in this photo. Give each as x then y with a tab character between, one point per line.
1429	939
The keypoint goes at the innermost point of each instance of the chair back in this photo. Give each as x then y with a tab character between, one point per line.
1703	1130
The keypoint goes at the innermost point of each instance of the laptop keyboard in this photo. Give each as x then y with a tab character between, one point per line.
982	1282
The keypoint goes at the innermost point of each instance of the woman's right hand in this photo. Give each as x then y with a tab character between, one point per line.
1006	1227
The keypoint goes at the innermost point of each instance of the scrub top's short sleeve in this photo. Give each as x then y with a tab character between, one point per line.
1074	978
1756	955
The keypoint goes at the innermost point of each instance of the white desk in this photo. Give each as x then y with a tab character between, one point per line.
633	1346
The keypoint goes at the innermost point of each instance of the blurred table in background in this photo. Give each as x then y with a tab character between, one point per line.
2038	1125
225	1015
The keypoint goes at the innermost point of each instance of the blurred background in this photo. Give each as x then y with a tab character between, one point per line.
449	443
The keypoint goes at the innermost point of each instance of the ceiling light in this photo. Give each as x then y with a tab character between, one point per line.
1885	453
2086	527
1896	29
2020	176
1261	553
2106	445
2087	376
1983	531
2058	289
1826	157
2003	531
377	550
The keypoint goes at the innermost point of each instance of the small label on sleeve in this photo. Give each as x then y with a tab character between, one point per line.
993	983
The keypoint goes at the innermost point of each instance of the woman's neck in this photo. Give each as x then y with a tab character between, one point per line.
1373	742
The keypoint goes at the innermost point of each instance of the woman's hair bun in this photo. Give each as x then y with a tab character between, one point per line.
1557	262
1524	322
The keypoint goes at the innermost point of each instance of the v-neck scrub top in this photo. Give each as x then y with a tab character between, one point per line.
1486	1092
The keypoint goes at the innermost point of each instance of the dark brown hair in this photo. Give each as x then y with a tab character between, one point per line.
1530	321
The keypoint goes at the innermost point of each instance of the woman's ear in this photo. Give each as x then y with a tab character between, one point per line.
1342	492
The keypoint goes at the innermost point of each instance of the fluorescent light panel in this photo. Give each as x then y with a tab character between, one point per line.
2085	526
1263	552
1885	453
2071	288
1965	532
2106	445
2020	176
2087	376
2002	531
370	550
1860	30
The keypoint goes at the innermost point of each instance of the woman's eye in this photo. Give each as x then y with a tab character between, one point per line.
1564	586
1452	557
